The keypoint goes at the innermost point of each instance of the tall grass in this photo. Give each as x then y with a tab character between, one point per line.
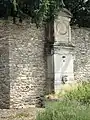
81	94
65	110
72	107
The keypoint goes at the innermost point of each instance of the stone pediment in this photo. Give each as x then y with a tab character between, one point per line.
65	13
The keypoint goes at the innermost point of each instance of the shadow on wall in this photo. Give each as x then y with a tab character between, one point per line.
4	70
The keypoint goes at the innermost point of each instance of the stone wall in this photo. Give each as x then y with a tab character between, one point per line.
22	65
4	68
81	39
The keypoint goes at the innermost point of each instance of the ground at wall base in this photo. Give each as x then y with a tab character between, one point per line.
19	114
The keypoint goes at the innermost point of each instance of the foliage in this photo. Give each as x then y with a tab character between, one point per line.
46	10
74	106
80	10
81	94
65	110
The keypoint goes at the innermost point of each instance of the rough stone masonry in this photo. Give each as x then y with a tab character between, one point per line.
22	65
81	39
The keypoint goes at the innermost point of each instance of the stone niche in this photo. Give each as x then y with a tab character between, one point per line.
22	65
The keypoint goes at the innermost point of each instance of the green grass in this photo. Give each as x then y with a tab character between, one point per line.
65	110
75	106
81	94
